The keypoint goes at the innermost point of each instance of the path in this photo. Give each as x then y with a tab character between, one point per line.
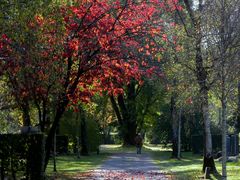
128	166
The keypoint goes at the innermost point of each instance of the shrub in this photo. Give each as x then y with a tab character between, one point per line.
22	156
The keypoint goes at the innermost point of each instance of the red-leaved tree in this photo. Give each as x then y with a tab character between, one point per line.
80	50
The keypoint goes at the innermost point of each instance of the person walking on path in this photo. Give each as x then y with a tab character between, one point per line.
139	143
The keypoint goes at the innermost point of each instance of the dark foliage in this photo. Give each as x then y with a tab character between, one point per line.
22	156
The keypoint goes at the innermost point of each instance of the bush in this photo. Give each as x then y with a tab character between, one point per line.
61	144
93	135
67	130
22	156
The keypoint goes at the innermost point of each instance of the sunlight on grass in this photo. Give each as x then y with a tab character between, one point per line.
110	146
190	165
119	148
70	164
233	169
157	147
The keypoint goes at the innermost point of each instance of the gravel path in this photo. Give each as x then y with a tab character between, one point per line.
127	166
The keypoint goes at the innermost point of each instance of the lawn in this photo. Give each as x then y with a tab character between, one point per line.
69	165
189	167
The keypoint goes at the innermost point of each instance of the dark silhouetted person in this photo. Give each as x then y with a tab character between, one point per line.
139	143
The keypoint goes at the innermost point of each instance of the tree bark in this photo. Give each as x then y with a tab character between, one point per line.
202	78
116	110
174	128
202	82
208	160
54	154
84	149
237	126
125	109
224	141
44	116
26	116
179	133
130	133
49	141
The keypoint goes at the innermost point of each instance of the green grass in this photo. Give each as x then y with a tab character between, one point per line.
190	165
117	149
70	165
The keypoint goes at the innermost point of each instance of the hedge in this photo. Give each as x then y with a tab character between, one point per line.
22	156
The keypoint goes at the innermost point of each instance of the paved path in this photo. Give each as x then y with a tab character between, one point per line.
128	166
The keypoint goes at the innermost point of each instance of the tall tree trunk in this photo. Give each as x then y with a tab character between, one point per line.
54	153
202	77
116	110
237	126
84	149
224	141
174	128
44	116
202	82
132	114
222	33
49	141
125	109
208	160
130	129
179	133
26	116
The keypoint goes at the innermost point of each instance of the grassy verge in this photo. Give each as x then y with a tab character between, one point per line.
69	165
189	167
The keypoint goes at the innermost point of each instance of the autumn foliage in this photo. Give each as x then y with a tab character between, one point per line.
89	48
76	51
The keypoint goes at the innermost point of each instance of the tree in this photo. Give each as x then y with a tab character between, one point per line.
223	42
194	15
89	48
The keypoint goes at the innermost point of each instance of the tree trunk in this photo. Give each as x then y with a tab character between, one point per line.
54	154
174	128
202	81
224	141
78	147
202	77
26	116
125	109
130	129
179	133
208	157
237	126
132	113
49	141
116	110
84	149
44	116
